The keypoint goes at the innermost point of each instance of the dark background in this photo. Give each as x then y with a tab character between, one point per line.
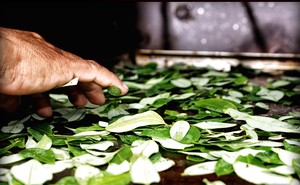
92	30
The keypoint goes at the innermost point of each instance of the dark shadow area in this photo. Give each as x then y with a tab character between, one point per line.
91	29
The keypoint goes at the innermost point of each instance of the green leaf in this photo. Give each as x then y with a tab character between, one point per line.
280	83
129	139
264	123
42	155
43	127
6	136
296	166
19	142
155	157
286	156
269	157
215	74
44	143
114	90
291	147
213	125
240	80
143	171
62	98
76	151
117	111
214	104
199	82
148	68
171	143
192	135
88	128
128	123
122	179
179	129
181	82
156	132
250	159
258	175
183	96
161	102
223	168
273	95
31	172
35	134
200	169
15	126
195	158
67	180
217	182
151	100
124	153
75	114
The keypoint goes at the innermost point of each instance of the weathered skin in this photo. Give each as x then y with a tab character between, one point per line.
29	65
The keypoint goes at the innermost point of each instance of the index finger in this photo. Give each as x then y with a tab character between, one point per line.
91	71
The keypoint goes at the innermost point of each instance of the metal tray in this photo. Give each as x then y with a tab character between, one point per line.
275	63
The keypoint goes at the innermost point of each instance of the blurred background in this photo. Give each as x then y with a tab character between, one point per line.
104	30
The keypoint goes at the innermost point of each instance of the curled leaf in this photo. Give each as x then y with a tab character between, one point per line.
114	90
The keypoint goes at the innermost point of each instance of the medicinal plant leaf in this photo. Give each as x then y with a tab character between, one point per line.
163	164
200	169
128	123
285	156
117	169
143	171
83	173
217	182
181	82
156	132
283	170
192	136
42	155
144	148
200	154
122	179
31	172
92	160
171	143
102	145
67	180
214	104
123	154
223	168
15	126
114	90
213	125
273	95
179	129
59	166
264	123
259	175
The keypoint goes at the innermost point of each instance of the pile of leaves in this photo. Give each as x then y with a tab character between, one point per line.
219	120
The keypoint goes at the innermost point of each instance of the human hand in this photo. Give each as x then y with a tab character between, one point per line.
29	65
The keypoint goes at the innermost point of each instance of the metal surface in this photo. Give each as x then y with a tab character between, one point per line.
220	26
275	63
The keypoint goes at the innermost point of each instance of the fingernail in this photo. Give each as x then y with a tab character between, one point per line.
124	85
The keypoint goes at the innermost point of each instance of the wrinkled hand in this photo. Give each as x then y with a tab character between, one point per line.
31	66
